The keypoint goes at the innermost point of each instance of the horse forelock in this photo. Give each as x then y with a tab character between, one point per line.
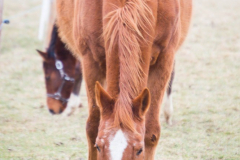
125	29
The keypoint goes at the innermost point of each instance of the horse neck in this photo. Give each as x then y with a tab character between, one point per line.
124	36
62	53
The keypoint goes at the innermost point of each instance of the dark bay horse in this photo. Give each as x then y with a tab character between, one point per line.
63	77
127	46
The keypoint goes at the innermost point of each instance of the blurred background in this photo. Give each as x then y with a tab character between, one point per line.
206	91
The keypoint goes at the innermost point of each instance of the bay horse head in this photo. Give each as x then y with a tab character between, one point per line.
119	137
59	70
59	81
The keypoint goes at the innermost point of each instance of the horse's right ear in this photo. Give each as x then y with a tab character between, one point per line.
44	55
104	101
141	103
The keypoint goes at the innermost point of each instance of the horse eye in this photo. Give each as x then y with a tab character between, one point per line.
139	152
47	78
97	147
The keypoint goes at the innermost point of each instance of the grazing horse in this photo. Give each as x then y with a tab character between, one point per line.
127	46
63	76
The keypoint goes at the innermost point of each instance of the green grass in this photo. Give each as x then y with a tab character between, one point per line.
206	92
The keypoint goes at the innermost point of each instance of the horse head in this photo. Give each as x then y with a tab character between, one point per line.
117	141
59	74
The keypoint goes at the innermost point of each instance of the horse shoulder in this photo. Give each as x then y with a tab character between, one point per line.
87	26
172	23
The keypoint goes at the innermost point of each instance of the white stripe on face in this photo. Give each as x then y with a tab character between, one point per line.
117	145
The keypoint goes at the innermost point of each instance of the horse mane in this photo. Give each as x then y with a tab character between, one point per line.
51	48
125	29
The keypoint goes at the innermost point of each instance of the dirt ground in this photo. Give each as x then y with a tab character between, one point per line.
206	91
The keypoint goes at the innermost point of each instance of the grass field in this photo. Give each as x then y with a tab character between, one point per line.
206	123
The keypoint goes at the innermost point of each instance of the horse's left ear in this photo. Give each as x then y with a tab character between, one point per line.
43	55
141	103
104	101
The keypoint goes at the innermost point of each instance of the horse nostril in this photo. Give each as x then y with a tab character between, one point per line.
51	111
60	111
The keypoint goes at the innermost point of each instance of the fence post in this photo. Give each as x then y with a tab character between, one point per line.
51	21
47	20
1	21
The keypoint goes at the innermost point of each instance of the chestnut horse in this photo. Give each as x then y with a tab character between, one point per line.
63	76
129	47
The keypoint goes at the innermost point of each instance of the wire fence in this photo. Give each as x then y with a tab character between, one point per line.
24	12
7	20
44	10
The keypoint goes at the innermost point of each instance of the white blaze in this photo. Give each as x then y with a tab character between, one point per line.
118	145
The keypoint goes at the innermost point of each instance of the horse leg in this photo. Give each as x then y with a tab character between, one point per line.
75	101
168	106
159	75
92	73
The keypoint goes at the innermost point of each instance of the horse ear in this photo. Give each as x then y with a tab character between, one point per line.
104	101
141	103
44	55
